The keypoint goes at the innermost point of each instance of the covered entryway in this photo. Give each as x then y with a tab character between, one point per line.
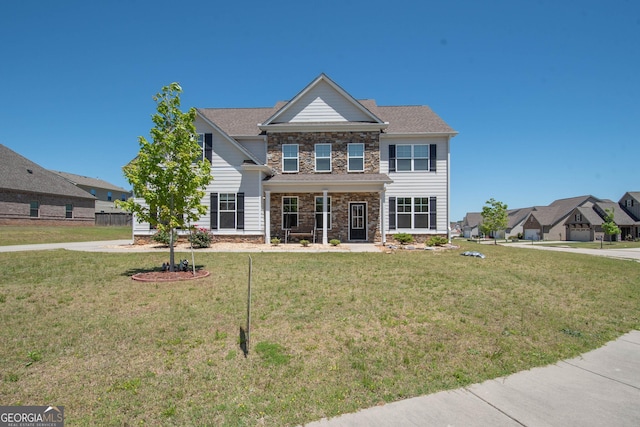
357	221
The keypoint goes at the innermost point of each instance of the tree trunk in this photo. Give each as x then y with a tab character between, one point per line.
171	254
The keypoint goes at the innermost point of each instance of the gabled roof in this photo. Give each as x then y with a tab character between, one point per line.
322	92
516	216
472	219
620	216
22	175
399	120
89	182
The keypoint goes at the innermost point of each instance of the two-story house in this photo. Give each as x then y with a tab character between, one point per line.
327	166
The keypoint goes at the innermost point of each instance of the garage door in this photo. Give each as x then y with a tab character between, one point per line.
582	235
531	234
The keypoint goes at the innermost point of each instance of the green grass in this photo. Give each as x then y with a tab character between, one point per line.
331	333
12	235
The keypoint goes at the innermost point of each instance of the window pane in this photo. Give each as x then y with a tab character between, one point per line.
421	220
291	165
421	204
404	220
421	151
403	151
356	150
356	164
421	165
403	165
227	220
323	150
290	150
323	164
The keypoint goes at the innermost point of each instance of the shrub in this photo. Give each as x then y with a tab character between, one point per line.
334	242
162	236
437	241
201	238
403	238
275	241
304	242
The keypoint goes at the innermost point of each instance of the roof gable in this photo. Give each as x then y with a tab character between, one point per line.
86	181
323	101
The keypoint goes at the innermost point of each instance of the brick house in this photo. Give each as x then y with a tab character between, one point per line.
32	195
324	166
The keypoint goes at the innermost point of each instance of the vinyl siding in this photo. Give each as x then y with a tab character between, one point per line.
417	184
323	104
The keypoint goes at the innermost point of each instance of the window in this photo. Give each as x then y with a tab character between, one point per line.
319	213
34	211
93	192
290	157
227	210
323	157
289	212
578	217
123	197
628	203
109	196
412	158
412	212
355	157
404	212
421	212
68	208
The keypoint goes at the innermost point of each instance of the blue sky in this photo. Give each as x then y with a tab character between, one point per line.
545	94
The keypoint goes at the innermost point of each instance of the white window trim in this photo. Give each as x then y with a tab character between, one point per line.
289	158
315	151
297	213
412	214
200	141
221	211
349	157
413	158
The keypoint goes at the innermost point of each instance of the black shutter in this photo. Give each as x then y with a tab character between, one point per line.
392	213
432	157
240	211
392	158
432	213
208	146
214	211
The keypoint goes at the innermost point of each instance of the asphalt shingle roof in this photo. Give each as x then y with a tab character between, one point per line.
89	182
20	174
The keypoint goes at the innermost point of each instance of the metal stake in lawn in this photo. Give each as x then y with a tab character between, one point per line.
245	337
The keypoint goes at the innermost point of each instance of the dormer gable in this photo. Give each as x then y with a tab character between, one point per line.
323	104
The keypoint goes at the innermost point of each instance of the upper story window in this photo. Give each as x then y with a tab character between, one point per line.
68	208
290	158
323	157
412	158
93	192
628	203
355	157
109	196
123	197
578	217
200	140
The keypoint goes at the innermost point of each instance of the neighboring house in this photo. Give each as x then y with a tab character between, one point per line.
324	166
471	225
548	222
32	195
105	192
585	223
630	203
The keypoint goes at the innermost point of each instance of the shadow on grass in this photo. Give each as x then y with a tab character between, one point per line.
133	271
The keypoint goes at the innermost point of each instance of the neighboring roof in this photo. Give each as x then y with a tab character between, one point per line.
620	216
90	182
472	219
559	209
516	216
22	175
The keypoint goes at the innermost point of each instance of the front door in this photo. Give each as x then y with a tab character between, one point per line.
357	221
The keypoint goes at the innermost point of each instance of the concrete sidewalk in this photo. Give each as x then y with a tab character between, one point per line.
599	388
628	253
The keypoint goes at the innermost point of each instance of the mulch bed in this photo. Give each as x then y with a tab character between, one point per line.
169	276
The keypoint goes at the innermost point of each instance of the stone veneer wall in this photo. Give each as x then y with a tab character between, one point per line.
306	150
232	238
339	228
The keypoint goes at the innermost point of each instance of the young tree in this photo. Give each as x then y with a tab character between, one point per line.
609	227
169	172
494	217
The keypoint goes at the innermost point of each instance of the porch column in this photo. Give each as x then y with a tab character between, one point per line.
267	217
325	240
382	232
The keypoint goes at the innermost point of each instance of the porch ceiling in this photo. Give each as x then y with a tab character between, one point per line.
343	183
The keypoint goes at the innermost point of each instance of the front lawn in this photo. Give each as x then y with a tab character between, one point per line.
331	333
